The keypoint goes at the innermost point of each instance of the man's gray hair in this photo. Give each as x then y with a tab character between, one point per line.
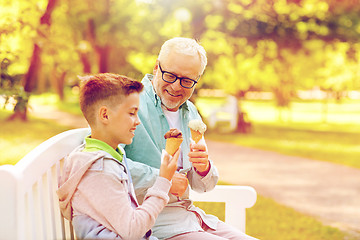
185	46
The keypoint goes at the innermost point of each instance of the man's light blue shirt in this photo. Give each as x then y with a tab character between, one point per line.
180	215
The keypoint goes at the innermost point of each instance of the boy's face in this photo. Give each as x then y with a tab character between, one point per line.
123	120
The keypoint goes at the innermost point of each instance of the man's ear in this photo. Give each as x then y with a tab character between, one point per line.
103	114
156	67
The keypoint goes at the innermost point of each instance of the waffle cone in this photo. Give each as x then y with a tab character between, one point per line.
172	145
195	135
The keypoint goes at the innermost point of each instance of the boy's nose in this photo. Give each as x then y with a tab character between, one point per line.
137	121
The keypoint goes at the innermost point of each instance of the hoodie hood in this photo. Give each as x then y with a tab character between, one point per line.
75	166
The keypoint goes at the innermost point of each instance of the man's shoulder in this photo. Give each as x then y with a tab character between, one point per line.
148	94
192	109
191	105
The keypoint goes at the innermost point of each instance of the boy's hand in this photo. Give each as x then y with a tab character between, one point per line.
199	158
168	164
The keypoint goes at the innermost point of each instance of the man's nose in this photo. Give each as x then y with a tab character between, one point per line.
176	85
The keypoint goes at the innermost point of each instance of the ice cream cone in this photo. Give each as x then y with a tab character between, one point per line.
172	145
195	135
197	128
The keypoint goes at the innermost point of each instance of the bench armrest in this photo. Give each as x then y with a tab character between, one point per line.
236	199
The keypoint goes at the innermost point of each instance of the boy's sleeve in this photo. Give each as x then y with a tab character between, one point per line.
143	177
110	205
86	227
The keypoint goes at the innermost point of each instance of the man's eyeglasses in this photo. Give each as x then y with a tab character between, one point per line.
171	78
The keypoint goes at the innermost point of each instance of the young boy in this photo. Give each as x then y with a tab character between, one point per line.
96	183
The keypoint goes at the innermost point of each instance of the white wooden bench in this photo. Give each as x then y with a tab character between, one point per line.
228	113
29	204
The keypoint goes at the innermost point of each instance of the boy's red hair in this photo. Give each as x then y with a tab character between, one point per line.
104	87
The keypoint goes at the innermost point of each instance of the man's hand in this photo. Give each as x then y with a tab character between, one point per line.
199	158
179	184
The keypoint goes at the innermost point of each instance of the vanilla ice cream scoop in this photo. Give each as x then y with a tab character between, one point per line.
197	128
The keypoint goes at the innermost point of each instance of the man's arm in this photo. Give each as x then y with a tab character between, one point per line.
203	183
203	176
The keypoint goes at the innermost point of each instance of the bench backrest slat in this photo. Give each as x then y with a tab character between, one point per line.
51	206
29	199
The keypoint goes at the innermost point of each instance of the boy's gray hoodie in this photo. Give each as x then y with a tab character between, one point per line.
95	184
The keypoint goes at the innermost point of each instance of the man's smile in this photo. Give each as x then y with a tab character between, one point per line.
172	94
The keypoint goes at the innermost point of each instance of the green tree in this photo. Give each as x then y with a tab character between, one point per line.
14	32
271	45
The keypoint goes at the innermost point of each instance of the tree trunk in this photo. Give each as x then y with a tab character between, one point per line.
31	77
22	115
20	109
85	62
60	85
103	53
58	82
325	106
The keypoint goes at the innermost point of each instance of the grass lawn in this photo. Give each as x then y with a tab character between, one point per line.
19	138
344	114
268	220
70	105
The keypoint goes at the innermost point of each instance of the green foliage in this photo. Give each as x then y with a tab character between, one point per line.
11	89
278	46
281	46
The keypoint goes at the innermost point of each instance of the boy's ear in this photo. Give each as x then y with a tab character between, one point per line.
103	114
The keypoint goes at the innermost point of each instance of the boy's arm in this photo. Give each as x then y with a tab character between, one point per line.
86	227
143	177
112	205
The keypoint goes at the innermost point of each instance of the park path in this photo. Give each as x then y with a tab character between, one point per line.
329	192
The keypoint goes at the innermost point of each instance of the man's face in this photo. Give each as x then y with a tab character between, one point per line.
173	95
